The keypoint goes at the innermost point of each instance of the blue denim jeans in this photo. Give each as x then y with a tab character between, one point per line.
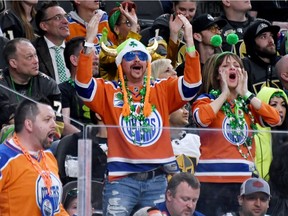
120	197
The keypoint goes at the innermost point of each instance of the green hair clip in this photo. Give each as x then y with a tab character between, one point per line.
114	17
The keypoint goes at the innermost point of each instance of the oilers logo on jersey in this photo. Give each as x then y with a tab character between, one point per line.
227	131
141	137
49	204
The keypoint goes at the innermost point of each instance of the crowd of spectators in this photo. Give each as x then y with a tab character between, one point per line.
90	59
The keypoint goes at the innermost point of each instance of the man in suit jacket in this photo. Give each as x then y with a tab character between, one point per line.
51	20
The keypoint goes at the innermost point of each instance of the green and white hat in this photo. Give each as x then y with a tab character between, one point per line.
130	45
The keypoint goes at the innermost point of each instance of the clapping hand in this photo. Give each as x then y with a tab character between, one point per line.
242	76
223	83
92	28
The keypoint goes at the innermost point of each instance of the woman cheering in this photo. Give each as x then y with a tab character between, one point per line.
230	111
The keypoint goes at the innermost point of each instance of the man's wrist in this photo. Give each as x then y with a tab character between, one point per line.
87	50
87	47
190	49
88	44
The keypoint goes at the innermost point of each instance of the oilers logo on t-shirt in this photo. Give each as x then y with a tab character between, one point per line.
142	138
229	134
48	203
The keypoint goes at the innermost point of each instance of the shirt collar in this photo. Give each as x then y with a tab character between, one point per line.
50	44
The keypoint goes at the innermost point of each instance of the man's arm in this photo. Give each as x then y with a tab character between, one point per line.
85	86
68	127
192	73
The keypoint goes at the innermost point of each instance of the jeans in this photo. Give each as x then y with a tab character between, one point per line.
122	197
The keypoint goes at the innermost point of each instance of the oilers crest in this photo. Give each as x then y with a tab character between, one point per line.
135	135
48	204
227	131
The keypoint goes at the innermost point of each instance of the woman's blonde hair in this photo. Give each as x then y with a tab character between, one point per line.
159	66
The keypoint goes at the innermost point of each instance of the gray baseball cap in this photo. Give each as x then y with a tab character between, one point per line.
254	185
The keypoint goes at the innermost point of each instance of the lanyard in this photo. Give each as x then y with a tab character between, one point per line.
29	90
44	173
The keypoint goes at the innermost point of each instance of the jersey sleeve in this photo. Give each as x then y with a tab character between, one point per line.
203	113
192	80
4	168
89	89
266	115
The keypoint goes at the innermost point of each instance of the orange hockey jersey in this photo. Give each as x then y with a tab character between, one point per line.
22	190
124	155
220	159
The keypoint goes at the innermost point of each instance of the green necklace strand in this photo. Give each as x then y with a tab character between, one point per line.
237	120
136	115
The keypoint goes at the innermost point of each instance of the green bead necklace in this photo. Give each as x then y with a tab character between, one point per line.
136	115
237	120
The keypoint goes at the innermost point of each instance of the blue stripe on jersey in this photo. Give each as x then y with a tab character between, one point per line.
189	91
222	167
85	92
211	97
197	119
7	152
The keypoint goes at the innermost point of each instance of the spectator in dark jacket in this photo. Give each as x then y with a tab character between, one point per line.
260	39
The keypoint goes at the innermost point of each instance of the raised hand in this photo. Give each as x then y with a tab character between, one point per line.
175	24
92	28
131	17
223	83
242	76
187	27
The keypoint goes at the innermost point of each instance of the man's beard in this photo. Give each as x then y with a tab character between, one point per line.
45	144
266	52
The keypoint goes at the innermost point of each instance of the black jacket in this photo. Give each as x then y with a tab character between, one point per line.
238	28
261	73
45	60
40	87
12	26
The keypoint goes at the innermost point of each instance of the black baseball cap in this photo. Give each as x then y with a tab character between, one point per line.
260	26
204	21
256	28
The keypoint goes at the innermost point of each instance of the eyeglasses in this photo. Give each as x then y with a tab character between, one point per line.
130	56
214	29
58	17
127	22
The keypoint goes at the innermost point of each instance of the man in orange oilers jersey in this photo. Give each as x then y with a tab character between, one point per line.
139	151
29	181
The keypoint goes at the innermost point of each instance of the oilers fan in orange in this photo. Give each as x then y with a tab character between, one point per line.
130	149
22	190
220	160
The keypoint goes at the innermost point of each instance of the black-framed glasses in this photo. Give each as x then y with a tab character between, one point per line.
58	17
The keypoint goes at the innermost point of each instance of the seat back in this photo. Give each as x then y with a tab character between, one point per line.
67	153
96	195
